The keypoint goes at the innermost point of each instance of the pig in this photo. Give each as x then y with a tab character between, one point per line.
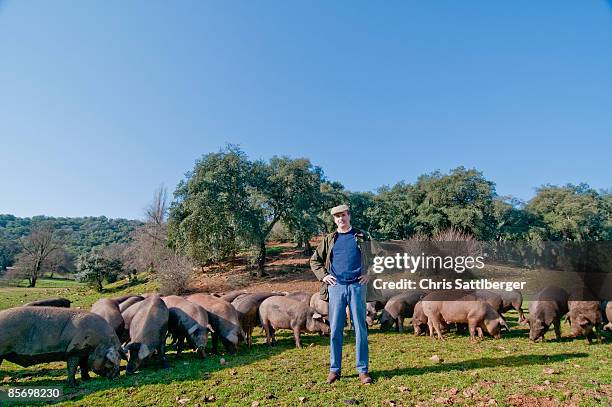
32	335
462	308
510	300
148	330
546	307
322	307
123	298
386	295
232	295
50	302
247	307
606	310
224	320
492	298
371	312
127	315
108	309
187	320
301	296
129	302
419	319
584	315
285	313
399	307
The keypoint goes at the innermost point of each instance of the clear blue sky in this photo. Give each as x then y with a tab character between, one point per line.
101	101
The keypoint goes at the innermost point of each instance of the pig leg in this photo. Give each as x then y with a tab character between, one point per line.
269	333
162	355
180	343
472	330
249	334
215	343
400	324
73	362
597	334
436	325
296	335
557	324
84	368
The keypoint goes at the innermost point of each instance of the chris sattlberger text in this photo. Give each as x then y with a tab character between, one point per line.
444	284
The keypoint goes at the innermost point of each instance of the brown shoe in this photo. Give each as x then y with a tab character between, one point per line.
365	378
332	377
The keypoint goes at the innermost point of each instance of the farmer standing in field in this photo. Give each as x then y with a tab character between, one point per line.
337	264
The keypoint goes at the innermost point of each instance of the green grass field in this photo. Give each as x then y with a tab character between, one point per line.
510	371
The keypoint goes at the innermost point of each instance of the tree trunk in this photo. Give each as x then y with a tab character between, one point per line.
34	275
307	247
261	259
99	285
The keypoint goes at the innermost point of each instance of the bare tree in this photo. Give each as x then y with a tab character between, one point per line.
38	246
157	210
147	248
61	262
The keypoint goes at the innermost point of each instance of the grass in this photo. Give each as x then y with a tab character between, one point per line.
510	371
80	294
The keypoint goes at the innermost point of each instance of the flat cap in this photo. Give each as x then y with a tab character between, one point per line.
339	208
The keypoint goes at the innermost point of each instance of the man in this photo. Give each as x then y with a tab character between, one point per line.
337	263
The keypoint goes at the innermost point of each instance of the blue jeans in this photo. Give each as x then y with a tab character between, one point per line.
353	295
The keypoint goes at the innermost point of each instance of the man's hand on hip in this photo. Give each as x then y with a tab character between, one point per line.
329	279
364	279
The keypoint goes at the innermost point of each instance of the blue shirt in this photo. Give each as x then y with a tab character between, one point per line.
346	258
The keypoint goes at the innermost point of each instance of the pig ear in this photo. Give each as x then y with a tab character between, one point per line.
113	356
143	352
316	315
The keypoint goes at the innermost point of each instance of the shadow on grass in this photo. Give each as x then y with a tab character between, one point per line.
508	361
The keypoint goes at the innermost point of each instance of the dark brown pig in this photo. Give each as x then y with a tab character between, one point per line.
129	302
50	302
148	330
123	298
546	308
584	315
494	299
284	313
398	308
224	320
108	309
512	300
187	320
247	307
232	295
32	335
127	315
441	307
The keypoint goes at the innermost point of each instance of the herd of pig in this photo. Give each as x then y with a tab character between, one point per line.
135	328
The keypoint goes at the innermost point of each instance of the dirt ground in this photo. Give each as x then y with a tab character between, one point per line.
287	269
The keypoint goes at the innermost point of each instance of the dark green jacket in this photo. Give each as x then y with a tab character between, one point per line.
320	263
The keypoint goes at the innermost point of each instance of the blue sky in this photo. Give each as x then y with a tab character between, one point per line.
101	101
